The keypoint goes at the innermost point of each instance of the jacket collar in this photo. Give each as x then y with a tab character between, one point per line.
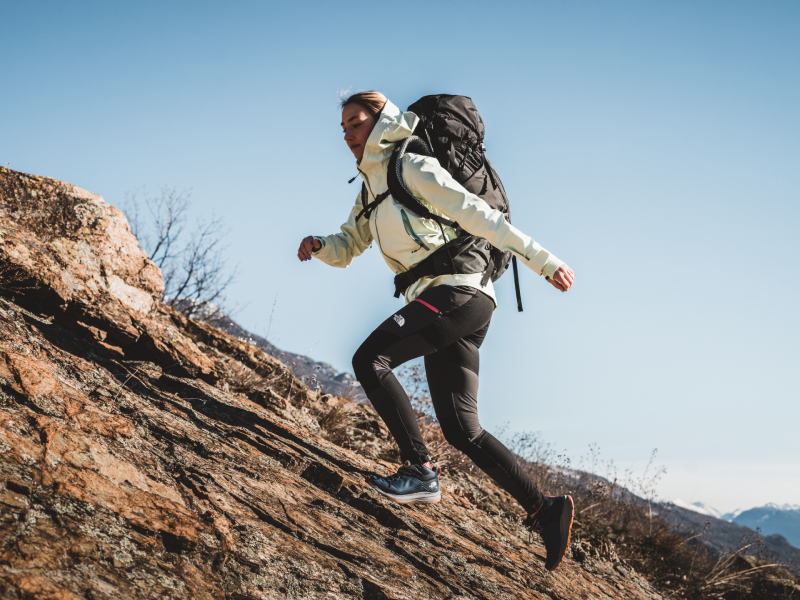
393	125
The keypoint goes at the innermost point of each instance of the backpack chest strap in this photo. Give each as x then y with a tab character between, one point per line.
369	207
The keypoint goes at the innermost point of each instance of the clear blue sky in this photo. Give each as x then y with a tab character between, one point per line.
653	146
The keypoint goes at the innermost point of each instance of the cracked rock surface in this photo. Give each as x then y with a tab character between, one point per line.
129	468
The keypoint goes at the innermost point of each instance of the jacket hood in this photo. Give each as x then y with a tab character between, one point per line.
393	125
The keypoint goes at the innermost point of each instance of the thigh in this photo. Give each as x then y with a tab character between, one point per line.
442	315
452	374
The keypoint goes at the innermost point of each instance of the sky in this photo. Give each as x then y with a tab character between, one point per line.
655	147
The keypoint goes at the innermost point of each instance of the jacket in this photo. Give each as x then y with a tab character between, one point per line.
403	238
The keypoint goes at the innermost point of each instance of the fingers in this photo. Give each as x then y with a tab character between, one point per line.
564	277
306	246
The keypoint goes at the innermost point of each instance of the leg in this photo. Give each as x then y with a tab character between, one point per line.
453	380
443	315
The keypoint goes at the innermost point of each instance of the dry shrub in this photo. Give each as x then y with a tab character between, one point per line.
242	379
617	515
265	380
356	427
338	422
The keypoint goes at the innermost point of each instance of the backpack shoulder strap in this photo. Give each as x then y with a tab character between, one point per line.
397	187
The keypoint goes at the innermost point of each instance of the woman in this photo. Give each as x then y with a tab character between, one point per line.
445	318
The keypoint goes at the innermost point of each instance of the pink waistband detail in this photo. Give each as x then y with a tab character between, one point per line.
433	308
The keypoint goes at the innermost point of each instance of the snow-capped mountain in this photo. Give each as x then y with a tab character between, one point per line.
772	518
783	519
699	507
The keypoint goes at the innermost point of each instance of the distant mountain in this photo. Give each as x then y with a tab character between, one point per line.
771	519
309	371
721	535
699	507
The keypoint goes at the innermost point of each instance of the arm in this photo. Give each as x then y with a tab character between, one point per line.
426	178
339	249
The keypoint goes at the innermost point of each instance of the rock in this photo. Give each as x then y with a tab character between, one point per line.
130	467
65	248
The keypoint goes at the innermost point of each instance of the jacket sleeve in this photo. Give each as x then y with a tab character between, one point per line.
426	178
339	249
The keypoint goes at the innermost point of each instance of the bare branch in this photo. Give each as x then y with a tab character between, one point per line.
196	273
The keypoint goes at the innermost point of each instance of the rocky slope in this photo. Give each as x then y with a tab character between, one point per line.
143	455
315	374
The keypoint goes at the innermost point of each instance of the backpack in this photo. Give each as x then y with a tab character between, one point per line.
451	130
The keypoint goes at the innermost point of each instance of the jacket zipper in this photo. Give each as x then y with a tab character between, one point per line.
410	231
377	232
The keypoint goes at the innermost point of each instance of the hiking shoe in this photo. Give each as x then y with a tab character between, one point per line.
411	483
553	521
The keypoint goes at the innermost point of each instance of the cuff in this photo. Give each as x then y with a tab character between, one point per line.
321	244
551	266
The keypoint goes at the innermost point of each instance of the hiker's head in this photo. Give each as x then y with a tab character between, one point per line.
359	115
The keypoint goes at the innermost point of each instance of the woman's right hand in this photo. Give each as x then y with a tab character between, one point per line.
307	246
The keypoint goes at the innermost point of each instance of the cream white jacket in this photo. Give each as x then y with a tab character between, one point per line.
405	239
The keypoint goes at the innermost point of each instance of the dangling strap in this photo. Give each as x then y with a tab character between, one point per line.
516	283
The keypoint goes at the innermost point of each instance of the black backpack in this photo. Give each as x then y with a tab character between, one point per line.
451	129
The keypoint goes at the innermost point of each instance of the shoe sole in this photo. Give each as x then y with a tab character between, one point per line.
567	516
421	497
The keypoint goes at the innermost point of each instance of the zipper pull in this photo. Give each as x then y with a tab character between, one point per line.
353	179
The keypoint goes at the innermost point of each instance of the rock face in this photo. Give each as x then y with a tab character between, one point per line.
139	460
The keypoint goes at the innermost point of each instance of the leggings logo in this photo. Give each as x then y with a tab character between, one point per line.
400	320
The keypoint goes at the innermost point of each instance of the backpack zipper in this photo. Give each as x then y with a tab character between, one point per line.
410	231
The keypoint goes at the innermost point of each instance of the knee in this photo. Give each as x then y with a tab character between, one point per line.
372	361
367	367
364	369
462	436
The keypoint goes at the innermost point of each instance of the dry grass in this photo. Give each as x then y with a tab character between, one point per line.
266	380
616	514
337	423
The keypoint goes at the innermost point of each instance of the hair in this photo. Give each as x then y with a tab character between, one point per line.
371	101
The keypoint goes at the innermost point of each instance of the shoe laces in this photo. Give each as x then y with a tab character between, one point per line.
531	522
406	469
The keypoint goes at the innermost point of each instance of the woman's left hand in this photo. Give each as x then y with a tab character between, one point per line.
563	278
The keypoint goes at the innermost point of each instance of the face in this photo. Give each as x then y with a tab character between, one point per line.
357	124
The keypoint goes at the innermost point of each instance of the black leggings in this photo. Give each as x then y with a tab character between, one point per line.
447	325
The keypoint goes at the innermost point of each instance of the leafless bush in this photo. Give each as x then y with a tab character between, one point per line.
196	273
